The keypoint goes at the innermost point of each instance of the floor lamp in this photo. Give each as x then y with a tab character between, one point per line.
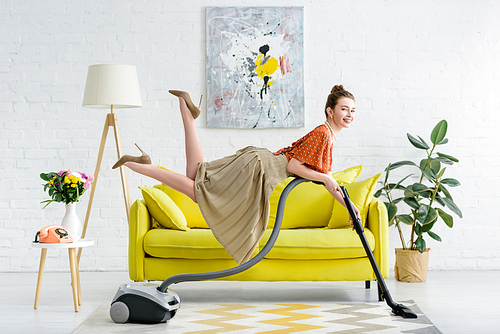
110	86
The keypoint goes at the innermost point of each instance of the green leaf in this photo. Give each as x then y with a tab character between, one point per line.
435	166
431	217
450	182
428	175
418	229
44	177
420	244
452	206
445	191
391	210
447	156
412	202
393	186
439	132
422	213
419	187
441	173
424	192
445	160
405	219
427	227
387	171
423	164
442	142
423	141
439	200
397	200
400	164
404	179
48	202
448	220
417	143
425	169
378	193
426	214
434	236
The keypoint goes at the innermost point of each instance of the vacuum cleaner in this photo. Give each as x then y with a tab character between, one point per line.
148	304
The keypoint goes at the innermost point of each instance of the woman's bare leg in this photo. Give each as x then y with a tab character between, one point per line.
194	153
194	156
176	181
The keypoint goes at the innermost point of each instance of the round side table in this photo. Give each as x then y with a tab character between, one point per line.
73	263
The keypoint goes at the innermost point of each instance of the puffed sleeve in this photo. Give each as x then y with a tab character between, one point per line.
315	151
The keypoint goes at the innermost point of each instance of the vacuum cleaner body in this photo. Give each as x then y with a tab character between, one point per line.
143	303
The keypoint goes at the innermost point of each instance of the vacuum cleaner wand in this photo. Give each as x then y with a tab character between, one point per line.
397	309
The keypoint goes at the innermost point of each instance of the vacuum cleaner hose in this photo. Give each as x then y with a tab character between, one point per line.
247	265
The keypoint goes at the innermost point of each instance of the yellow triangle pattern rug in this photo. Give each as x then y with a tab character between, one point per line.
272	318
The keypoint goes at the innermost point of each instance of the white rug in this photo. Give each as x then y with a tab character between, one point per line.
271	318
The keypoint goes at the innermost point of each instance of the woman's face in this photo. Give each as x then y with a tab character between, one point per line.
343	113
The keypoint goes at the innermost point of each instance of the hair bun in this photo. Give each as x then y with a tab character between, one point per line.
337	88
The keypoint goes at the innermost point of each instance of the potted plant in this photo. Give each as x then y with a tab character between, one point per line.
424	203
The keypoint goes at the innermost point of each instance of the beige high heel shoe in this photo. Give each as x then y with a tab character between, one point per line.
143	159
195	111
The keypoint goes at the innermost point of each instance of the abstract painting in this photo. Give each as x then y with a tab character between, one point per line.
255	67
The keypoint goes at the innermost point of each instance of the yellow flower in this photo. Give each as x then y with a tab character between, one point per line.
73	185
66	180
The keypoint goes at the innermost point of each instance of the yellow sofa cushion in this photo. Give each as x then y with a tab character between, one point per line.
163	209
317	244
190	209
298	213
192	244
361	194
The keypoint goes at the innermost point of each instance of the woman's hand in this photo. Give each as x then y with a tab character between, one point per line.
331	184
358	215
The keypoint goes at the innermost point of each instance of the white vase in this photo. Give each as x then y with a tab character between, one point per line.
72	223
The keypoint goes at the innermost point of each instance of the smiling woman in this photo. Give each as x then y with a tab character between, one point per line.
233	192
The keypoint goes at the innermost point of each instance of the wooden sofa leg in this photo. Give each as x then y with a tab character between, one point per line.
367	284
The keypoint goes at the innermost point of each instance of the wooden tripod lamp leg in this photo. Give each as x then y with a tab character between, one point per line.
96	174
96	177
111	120
126	192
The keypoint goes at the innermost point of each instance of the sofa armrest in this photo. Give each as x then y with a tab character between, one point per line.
139	224
378	224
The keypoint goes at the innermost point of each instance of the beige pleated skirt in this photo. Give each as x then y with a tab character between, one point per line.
233	195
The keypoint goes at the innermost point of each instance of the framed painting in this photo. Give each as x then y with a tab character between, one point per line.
255	67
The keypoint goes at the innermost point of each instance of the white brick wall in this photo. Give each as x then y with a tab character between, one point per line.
410	64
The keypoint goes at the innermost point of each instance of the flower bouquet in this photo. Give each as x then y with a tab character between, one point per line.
65	186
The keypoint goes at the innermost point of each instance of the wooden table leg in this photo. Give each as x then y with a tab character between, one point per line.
74	279
78	280
40	276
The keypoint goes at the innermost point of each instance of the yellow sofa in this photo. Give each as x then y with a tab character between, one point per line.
168	236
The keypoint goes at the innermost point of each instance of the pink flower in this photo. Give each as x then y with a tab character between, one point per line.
88	182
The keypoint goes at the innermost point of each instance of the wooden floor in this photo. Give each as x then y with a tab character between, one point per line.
455	301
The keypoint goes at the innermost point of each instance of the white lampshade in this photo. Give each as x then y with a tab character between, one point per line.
112	85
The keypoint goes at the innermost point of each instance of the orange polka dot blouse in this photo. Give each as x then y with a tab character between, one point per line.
314	149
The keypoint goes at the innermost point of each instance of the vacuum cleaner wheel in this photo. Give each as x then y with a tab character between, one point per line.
119	312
